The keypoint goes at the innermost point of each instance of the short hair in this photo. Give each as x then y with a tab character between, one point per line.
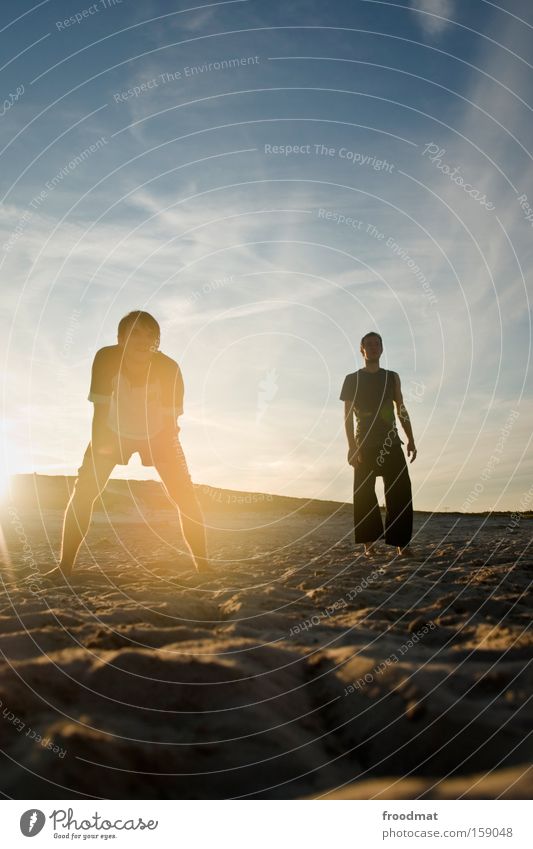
144	319
371	333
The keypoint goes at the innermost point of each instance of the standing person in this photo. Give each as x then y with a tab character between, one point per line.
137	394
376	449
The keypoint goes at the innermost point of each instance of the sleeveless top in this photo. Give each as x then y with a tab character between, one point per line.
372	395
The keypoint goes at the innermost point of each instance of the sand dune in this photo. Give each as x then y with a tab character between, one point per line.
301	669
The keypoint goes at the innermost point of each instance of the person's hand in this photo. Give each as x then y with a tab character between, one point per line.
170	430
354	456
103	439
411	450
104	445
104	450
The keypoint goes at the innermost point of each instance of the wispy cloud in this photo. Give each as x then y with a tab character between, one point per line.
433	16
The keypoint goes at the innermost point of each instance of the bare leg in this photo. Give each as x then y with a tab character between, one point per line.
92	478
176	480
192	525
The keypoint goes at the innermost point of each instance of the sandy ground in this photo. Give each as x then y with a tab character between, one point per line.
301	669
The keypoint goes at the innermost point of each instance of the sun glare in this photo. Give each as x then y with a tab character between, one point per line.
6	459
4	474
4	481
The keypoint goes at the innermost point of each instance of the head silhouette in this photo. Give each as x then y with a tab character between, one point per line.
139	331
371	346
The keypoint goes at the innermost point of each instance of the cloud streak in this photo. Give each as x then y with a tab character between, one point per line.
433	16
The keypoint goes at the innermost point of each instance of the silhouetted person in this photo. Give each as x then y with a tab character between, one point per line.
137	394
376	449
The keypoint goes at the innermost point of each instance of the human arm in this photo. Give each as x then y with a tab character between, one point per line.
353	453
403	416
173	394
348	393
102	436
100	395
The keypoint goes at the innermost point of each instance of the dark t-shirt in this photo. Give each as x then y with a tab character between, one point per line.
139	407
372	396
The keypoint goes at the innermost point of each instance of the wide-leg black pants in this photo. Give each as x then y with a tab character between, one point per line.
398	500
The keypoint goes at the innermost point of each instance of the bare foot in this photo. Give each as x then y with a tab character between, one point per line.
406	551
203	567
58	575
369	549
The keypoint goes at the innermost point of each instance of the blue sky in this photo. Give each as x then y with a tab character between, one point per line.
271	181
